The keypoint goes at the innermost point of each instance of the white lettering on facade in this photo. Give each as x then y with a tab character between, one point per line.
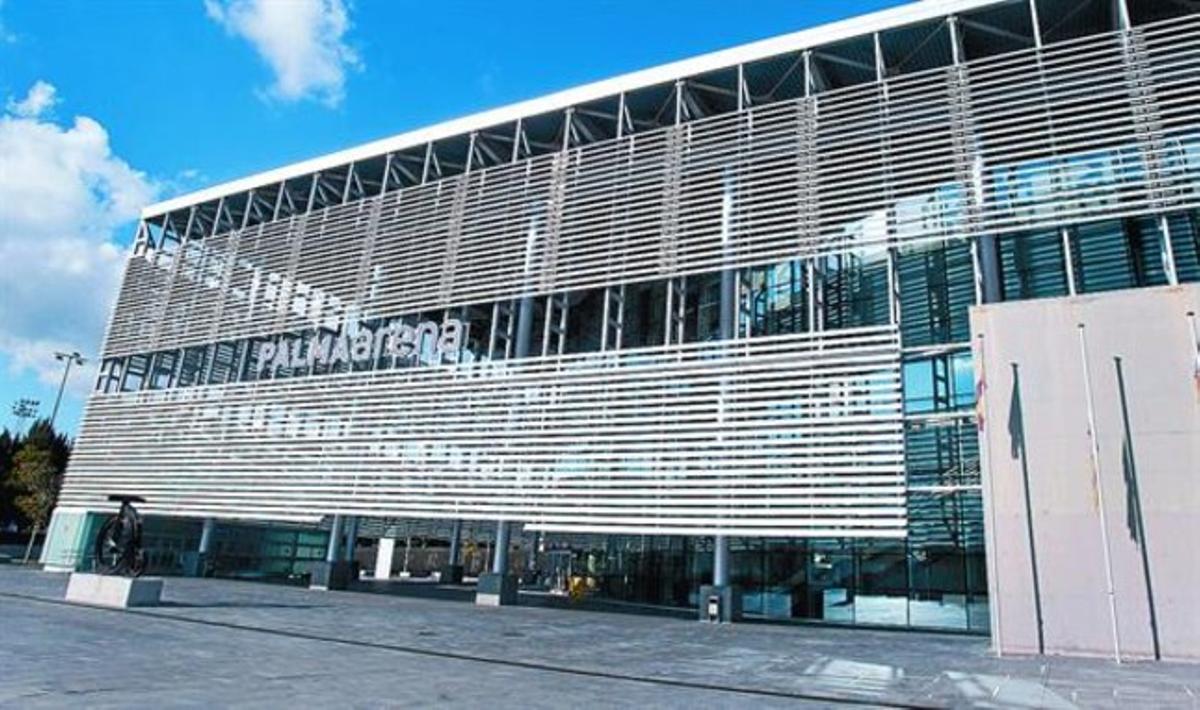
426	340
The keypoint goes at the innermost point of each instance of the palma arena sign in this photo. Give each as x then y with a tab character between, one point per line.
396	340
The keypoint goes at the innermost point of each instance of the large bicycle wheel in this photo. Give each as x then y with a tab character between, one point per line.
112	547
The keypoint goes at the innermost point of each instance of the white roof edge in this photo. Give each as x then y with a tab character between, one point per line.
910	13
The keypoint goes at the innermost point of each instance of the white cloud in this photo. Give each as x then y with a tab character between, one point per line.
301	40
41	98
63	198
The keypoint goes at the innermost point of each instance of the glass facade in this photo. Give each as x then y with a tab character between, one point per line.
935	578
936	582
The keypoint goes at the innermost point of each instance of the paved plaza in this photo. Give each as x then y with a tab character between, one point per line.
224	643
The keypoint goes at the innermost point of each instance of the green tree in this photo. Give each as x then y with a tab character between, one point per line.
9	443
36	475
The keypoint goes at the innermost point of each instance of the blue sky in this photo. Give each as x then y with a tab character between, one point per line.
109	105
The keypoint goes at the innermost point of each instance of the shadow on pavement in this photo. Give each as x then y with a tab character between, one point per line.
236	605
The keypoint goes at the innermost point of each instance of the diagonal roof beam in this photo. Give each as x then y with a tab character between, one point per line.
932	35
582	126
1067	17
996	31
657	120
406	172
489	151
783	79
692	104
845	62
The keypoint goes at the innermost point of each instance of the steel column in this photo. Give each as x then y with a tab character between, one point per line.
500	551
720	561
1167	251
335	535
455	543
351	538
728	327
206	536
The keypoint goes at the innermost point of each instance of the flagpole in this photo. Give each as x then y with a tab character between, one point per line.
1018	436
1135	506
1098	482
990	530
1191	316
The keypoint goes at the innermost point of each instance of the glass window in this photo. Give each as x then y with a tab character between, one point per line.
946	559
162	370
110	375
1185	243
645	311
1033	265
831	581
941	452
881	589
940	383
190	370
1118	254
855	286
937	287
224	363
702	309
136	368
478	321
785	579
585	321
776	299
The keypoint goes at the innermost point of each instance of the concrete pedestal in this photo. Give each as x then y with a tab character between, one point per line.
720	604
496	590
333	576
451	574
116	592
384	552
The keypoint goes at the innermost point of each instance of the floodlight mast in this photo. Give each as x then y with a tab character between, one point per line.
71	358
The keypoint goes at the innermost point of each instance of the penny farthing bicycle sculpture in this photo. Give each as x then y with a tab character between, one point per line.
119	544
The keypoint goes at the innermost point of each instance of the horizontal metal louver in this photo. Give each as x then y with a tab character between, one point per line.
794	435
1084	130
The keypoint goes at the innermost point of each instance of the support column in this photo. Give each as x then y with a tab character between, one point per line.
351	539
524	328
407	553
1167	251
1068	261
198	567
535	545
498	588
987	261
720	561
452	572
721	601
335	572
335	537
500	550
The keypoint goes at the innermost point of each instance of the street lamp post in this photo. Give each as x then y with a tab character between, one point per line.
24	408
72	358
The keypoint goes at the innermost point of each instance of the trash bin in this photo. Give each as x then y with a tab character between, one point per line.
719	603
714	608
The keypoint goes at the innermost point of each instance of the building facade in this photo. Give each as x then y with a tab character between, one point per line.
712	314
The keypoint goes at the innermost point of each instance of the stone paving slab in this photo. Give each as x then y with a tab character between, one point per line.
246	644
